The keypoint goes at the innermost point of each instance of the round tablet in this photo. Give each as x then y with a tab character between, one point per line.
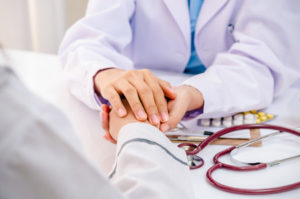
216	122
205	122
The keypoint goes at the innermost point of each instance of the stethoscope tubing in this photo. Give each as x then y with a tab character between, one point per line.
254	166
262	191
202	145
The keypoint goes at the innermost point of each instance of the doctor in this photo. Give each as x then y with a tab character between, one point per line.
243	54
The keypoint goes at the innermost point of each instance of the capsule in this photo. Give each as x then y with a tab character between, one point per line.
260	114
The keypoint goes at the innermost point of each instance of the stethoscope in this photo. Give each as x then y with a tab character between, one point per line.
196	161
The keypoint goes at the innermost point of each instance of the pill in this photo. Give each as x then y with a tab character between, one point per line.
261	114
216	122
229	118
258	121
237	122
253	111
238	117
205	122
249	116
263	118
270	116
227	123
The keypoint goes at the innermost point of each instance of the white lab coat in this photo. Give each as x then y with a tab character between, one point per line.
250	47
41	156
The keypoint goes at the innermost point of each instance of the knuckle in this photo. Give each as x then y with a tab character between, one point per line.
167	83
131	73
145	90
157	92
128	74
129	91
146	71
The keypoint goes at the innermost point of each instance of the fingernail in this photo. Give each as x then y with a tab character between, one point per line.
165	127
121	112
142	115
164	117
154	119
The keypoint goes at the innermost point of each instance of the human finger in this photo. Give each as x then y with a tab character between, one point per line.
167	89
104	120
159	98
147	98
105	108
109	138
104	114
115	100
130	93
176	112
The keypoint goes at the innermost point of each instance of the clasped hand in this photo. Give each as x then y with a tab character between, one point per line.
112	123
138	95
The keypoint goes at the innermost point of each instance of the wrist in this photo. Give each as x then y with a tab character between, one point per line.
195	98
101	76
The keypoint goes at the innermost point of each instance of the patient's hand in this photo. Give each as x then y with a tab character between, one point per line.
112	122
116	122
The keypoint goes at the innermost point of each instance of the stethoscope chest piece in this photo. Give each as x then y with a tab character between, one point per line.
195	161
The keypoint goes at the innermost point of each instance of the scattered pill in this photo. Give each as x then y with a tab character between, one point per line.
249	116
229	118
237	122
263	118
238	117
205	122
216	122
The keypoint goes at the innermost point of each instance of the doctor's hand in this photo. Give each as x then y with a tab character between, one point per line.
145	93
187	98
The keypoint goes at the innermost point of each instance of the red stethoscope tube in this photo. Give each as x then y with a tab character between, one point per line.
193	150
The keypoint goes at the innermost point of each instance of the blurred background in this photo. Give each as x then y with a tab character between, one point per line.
37	25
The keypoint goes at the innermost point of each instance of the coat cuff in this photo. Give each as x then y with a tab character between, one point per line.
138	131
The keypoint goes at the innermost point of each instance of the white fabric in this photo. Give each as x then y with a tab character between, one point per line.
41	156
250	47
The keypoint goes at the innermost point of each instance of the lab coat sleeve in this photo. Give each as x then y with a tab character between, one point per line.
96	41
260	65
41	157
149	164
